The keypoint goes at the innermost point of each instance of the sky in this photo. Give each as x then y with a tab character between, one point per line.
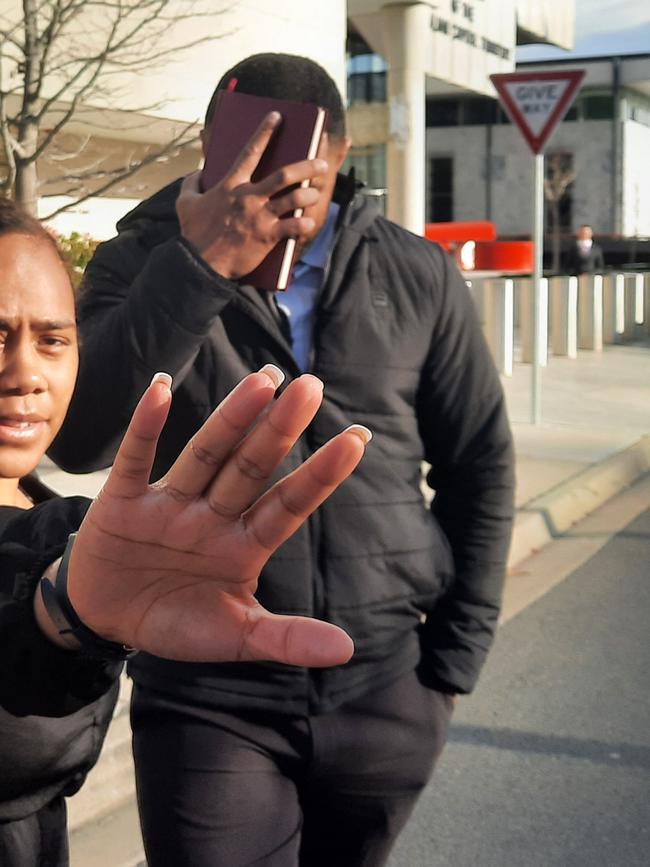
602	27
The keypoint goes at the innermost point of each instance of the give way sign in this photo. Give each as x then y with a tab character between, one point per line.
537	101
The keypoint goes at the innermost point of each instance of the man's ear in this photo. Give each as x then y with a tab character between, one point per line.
340	147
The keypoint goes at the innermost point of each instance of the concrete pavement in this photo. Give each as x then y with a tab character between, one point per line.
547	761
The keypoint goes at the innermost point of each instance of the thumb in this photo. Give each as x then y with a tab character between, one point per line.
299	641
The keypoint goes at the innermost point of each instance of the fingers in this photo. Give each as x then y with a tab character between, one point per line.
246	474
209	448
296	641
249	158
279	513
287	176
303	197
190	186
129	476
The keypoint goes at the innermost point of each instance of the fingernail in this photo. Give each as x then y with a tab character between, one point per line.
320	165
274	373
162	377
361	431
315	380
275	116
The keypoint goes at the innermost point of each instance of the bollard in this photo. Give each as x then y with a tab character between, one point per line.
525	301
631	307
499	327
646	302
476	290
613	308
563	298
590	312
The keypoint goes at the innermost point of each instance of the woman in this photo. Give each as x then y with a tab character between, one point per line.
169	568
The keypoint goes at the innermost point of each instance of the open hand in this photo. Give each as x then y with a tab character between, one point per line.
236	223
172	568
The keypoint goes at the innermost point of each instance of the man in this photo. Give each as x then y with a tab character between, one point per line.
584	257
264	763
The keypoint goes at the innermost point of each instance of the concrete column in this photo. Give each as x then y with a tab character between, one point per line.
590	312
563	297
499	327
406	30
525	302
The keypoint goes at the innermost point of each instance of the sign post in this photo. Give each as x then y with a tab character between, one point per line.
535	103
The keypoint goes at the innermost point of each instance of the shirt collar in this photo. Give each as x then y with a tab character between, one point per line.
316	254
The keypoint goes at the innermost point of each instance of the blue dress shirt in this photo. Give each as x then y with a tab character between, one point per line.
298	302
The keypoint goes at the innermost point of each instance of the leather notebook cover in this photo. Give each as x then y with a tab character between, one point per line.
236	117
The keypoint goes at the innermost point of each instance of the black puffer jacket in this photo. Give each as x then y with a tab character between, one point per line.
55	706
399	348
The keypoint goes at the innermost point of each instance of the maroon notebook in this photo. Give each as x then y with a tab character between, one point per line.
236	117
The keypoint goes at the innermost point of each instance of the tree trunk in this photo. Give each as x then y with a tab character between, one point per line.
555	209
26	189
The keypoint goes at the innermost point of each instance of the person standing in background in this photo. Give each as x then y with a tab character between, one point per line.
584	256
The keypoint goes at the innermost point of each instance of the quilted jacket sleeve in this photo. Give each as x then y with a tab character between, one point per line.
36	677
465	430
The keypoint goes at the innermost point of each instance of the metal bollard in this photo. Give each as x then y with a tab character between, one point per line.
499	327
590	312
613	308
563	299
525	302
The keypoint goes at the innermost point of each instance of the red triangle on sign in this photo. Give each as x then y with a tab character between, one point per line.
537	101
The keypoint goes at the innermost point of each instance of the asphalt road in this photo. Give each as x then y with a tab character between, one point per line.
548	763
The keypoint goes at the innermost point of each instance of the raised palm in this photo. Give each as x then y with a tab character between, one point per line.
172	568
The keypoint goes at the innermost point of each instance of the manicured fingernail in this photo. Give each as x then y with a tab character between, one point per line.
274	373
361	431
162	377
320	165
314	379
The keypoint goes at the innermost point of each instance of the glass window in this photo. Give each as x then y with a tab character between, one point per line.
476	111
369	164
597	106
441	189
442	112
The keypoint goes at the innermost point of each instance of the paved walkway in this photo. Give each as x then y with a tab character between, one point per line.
548	761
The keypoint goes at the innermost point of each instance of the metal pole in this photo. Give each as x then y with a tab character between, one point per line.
538	244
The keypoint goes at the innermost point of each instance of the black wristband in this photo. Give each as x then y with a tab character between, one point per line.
67	621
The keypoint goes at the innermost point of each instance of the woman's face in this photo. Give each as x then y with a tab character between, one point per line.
38	350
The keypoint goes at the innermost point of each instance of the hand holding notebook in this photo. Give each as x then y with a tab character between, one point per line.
246	222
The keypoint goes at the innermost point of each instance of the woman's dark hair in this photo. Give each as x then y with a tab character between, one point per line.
286	76
14	220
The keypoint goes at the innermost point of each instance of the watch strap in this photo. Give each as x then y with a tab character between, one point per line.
67	621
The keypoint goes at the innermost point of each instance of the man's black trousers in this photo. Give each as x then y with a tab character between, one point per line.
226	790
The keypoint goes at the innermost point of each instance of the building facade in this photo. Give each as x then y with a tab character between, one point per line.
478	165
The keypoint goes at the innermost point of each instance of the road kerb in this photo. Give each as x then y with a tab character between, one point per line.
572	500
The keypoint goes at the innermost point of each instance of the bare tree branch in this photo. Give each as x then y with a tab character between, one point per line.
111	183
69	60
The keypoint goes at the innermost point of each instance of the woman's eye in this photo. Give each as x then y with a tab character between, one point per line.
49	341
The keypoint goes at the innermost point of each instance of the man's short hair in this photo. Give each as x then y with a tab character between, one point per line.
286	76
